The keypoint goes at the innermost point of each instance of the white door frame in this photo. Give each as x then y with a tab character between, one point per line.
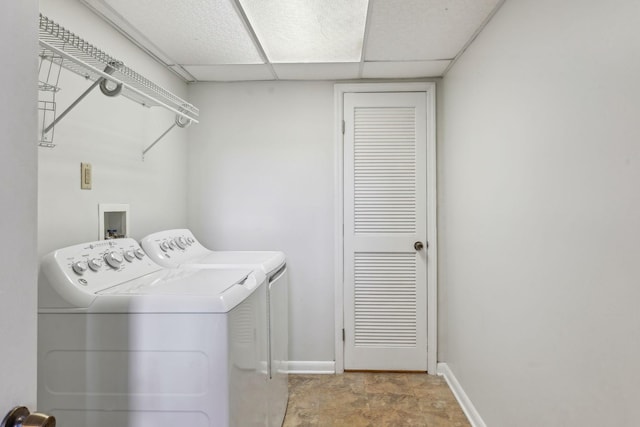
432	253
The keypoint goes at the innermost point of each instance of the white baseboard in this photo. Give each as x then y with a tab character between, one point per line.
469	410
312	367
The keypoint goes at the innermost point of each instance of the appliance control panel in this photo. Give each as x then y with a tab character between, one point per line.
173	247
171	243
96	266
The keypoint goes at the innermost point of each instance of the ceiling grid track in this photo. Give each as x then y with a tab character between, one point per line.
364	39
474	36
254	37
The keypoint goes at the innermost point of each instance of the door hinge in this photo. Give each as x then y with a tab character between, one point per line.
343	335
343	126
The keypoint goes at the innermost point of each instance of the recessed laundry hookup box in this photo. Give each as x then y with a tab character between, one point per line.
113	220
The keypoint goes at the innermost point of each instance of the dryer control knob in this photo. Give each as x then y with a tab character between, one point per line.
190	241
79	267
164	246
129	256
114	259
95	264
181	242
139	253
172	244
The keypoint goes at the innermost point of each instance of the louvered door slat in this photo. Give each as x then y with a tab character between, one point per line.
385	285
384	165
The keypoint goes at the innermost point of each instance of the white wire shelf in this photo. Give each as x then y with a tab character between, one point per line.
73	53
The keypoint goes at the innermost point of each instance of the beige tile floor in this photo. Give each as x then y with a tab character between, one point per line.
356	399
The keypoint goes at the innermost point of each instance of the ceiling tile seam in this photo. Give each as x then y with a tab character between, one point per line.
254	37
365	37
406	60
474	36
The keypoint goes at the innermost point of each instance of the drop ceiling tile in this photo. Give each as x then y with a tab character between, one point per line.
229	73
298	31
406	69
186	31
423	29
335	71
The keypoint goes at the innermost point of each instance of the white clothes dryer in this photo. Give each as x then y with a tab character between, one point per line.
180	248
125	342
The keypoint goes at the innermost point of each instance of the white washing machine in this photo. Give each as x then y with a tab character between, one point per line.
180	248
125	342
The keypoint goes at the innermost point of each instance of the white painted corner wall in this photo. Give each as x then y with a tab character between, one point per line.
109	133
539	165
261	178
18	192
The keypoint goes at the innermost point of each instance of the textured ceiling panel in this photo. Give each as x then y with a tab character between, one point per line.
404	69
299	39
423	29
298	31
229	73
338	71
190	31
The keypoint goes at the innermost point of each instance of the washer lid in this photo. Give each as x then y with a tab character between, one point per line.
181	291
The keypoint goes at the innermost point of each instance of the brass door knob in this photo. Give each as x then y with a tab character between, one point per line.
21	417
418	246
37	419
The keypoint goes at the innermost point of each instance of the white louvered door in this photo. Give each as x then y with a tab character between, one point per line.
385	214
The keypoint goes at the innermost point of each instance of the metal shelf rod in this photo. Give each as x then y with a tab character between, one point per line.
178	122
157	140
70	107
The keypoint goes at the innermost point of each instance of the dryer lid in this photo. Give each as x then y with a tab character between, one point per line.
268	261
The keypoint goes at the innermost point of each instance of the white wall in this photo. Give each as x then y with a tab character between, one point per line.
109	133
539	215
18	260
261	177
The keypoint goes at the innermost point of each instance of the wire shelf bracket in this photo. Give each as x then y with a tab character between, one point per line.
48	77
66	50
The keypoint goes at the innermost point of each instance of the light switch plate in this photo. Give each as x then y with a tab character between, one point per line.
85	176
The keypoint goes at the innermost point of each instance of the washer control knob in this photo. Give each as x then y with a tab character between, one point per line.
172	244
79	267
139	253
129	256
95	264
114	259
164	246
181	242
190	240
